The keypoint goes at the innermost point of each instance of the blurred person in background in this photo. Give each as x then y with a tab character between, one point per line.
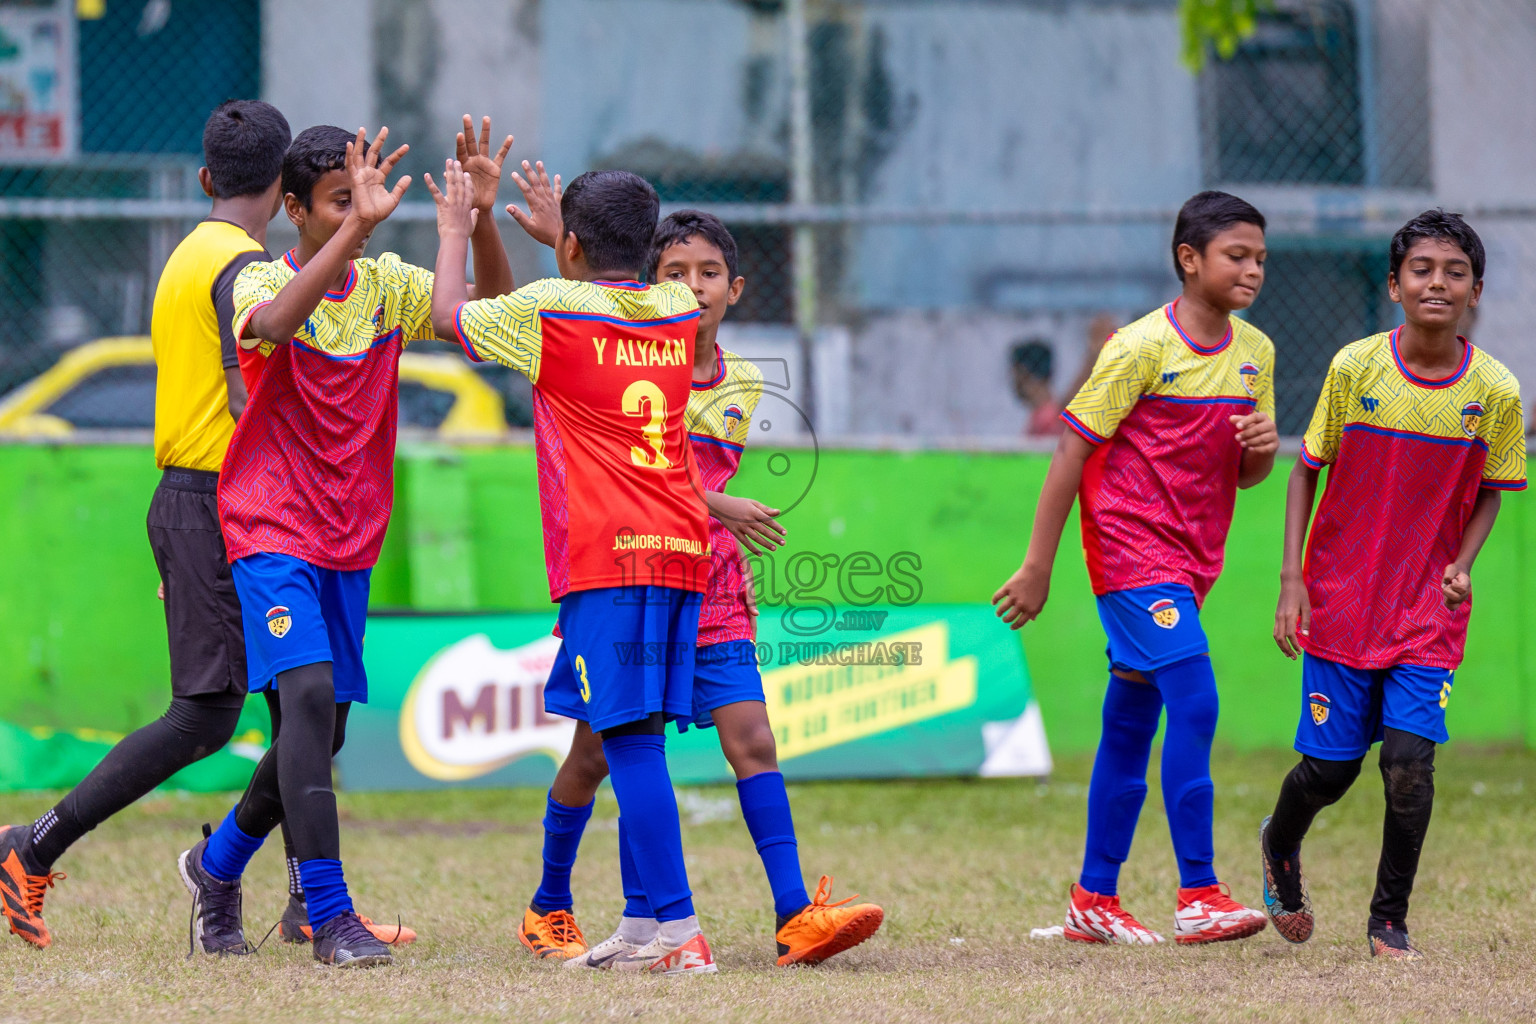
1032	362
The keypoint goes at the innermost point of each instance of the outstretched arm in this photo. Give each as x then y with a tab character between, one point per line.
1295	609
1457	582
279	320
493	273
1024	595
456	217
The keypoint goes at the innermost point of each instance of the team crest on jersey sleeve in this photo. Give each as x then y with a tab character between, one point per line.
1249	372
1471	416
1164	612
279	621
1320	705
730	420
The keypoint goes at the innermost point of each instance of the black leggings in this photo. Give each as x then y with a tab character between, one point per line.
190	730
293	780
1407	766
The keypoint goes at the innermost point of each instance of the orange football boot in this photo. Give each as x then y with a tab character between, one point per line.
554	934
823	929
21	894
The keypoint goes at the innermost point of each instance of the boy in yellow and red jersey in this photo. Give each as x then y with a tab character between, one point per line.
696	249
626	536
304	501
1177	415
1423	432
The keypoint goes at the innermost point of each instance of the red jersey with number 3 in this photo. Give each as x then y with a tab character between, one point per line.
611	364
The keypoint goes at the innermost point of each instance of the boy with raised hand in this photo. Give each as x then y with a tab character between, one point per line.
626	535
1423	432
304	500
1177	415
697	249
198	397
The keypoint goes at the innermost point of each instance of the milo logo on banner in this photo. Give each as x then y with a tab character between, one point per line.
474	708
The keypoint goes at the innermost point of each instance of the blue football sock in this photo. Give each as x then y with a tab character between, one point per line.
637	768
1118	785
765	805
325	891
1189	693
229	850
563	827
635	903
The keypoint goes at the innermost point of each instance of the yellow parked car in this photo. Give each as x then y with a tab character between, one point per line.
109	384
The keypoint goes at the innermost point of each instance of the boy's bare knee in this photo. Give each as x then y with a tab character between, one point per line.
582	771
750	748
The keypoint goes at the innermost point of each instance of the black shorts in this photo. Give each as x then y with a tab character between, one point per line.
202	610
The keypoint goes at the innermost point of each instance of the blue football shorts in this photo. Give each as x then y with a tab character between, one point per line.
1151	627
296	613
1345	710
626	653
725	674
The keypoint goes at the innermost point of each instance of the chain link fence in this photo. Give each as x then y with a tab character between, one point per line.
940	206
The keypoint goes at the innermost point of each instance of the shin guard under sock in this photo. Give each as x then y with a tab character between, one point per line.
1119	782
1188	689
637	767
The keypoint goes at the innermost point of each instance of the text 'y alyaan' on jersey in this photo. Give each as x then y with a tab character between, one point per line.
611	363
719	415
1157	496
311	468
1407	457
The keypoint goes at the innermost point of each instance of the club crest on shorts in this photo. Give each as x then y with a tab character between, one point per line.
278	621
1320	705
1249	373
1165	613
1471	416
730	420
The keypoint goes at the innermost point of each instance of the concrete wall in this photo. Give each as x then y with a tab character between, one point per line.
416	66
1483	119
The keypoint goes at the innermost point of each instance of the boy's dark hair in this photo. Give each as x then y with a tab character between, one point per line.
1034	357
1447	227
679	227
315	151
243	144
613	215
1204	216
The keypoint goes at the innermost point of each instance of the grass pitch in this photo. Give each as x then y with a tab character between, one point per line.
963	868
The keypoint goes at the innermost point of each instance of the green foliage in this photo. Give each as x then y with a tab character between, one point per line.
1219	23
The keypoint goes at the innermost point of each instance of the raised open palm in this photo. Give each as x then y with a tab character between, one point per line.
484	170
372	201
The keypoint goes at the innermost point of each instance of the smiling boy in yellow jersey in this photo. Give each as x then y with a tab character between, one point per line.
198	395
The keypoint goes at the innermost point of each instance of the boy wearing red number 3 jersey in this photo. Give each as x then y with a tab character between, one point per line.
626	533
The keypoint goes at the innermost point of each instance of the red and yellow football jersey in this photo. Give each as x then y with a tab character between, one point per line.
310	471
718	418
1157	496
611	363
1407	458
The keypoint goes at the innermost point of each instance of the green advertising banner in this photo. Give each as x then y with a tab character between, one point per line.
457	700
